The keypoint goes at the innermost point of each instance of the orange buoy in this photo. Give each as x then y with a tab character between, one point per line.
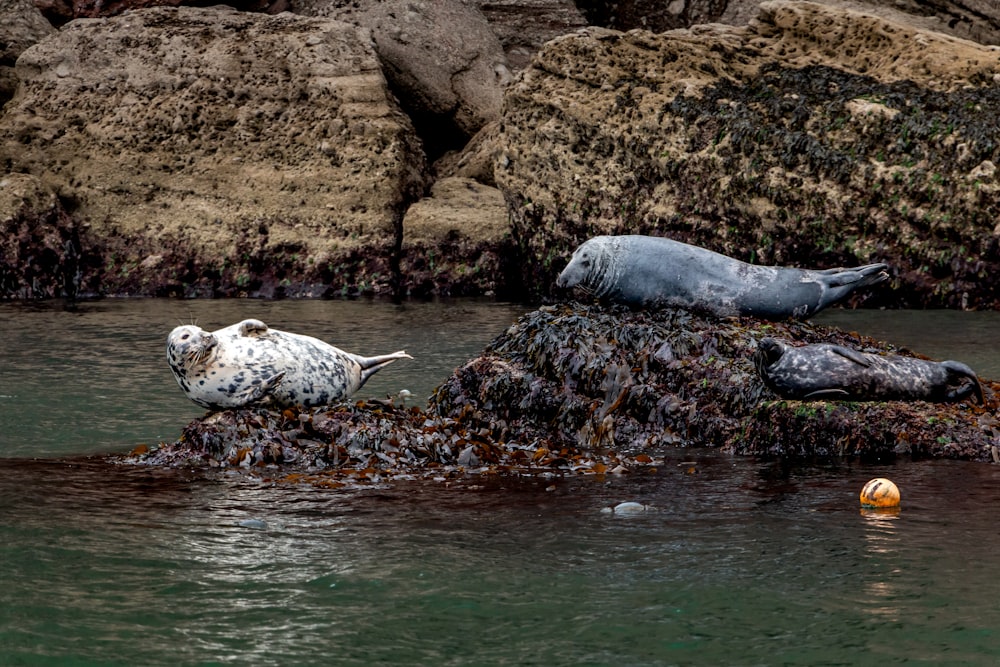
880	492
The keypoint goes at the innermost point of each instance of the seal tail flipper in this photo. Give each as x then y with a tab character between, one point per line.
841	282
861	276
960	370
372	365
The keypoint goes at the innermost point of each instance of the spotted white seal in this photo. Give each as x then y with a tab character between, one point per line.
834	372
249	363
649	271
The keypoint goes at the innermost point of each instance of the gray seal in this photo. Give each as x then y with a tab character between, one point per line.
649	271
834	372
249	363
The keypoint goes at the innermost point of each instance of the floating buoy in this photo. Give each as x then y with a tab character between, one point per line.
880	492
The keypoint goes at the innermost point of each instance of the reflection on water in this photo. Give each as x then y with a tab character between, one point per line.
740	562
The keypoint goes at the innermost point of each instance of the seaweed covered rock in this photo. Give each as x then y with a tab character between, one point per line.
369	442
574	389
815	136
634	381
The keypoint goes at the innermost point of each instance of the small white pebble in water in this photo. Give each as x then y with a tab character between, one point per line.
256	524
628	507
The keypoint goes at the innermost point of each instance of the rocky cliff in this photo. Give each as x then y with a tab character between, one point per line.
222	152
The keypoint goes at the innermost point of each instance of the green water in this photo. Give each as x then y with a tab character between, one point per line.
737	561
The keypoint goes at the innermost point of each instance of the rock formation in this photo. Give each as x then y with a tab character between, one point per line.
212	146
192	160
21	25
813	137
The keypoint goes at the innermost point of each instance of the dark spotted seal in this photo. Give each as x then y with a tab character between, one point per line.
834	372
649	271
248	363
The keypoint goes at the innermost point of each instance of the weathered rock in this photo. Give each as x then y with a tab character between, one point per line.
476	160
636	381
457	241
21	25
978	20
40	250
441	58
524	25
814	137
206	146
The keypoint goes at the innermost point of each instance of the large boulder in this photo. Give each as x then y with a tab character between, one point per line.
207	148
814	136
442	59
21	25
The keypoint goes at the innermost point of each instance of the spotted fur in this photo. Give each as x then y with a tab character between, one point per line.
249	363
649	271
834	372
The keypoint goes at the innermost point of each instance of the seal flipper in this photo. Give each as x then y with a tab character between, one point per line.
958	369
852	355
372	365
257	393
820	394
248	328
842	282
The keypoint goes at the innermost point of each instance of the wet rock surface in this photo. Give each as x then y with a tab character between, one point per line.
576	389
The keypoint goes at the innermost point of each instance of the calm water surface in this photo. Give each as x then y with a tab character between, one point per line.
736	561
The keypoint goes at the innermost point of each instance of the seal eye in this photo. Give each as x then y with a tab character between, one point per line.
185	336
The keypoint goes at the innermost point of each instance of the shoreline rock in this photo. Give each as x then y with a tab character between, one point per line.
816	135
573	389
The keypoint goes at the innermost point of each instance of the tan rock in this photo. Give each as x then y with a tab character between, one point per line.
456	208
21	25
441	57
814	136
475	160
200	128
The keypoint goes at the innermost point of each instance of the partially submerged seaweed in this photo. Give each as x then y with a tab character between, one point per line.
573	389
